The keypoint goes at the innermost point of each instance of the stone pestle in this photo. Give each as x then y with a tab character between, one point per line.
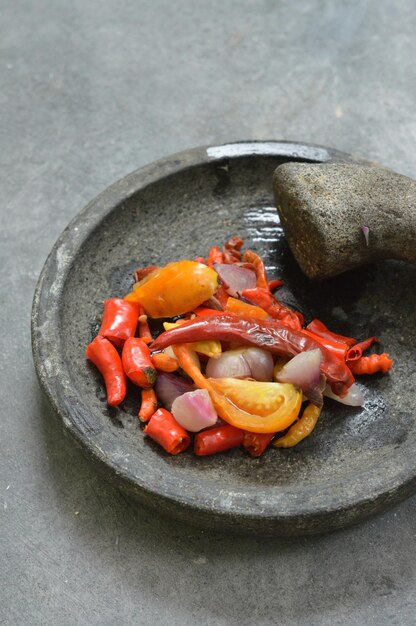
325	207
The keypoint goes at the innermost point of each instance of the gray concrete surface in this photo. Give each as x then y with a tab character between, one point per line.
88	92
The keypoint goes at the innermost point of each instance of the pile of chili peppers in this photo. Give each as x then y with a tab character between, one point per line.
219	313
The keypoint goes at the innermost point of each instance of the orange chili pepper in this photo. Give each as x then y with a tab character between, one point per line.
371	364
107	360
251	257
238	307
164	362
137	363
148	405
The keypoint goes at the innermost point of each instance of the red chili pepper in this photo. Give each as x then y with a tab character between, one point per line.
256	443
142	272
356	352
274	284
264	299
218	439
148	405
205	311
318	328
371	364
119	320
251	257
137	363
165	430
215	256
336	347
200	259
232	249
144	330
269	335
107	360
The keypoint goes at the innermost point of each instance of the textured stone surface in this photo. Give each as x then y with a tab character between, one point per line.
324	207
90	91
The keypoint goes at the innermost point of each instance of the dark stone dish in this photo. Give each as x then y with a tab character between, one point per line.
356	463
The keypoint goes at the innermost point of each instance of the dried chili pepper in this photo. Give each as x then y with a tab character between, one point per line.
269	335
119	320
148	405
336	347
165	430
265	300
356	352
256	443
218	439
107	360
300	429
318	328
371	364
137	363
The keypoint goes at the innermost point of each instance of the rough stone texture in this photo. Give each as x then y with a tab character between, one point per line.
324	207
90	91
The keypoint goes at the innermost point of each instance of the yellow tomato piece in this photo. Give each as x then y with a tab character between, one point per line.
258	407
301	429
175	289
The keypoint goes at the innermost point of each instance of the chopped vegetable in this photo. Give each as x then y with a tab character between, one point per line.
366	233
234	278
356	352
164	362
244	309
194	410
137	363
256	443
304	370
107	360
169	387
119	320
218	439
165	430
354	396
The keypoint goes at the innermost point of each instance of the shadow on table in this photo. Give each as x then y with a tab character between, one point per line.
222	577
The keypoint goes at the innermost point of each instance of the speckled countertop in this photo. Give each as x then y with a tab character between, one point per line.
89	92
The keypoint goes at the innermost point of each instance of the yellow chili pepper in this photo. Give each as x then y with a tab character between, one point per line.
300	429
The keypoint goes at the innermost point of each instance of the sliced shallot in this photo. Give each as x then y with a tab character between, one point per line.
304	370
354	396
194	410
235	278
